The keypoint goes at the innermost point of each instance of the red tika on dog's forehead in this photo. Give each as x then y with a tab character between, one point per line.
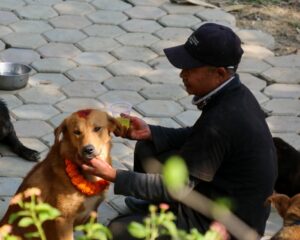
84	113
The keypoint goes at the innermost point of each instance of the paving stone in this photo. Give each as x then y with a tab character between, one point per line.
58	65
32	128
36	11
260	97
58	119
220	22
8	186
282	75
285	107
4	202
278	90
97	44
62	50
24	40
291	138
179	20
14	167
181	9
35	111
163	76
284	124
161	63
119	150
186	102
31	26
159	108
134	53
127	161
125	83
137	39
252	65
120	96
289	61
216	15
117	164
48	79
73	8
4	31
87	73
145	12
64	35
257	37
273	224
94	59
147	2
10	100
106	213
84	89
141	25
252	82
107	17
174	34
188	118
163	92
100	30
70	21
117	202
133	68
11	4
162	44
256	51
75	104
45	2
7	18
114	5
25	56
41	95
35	144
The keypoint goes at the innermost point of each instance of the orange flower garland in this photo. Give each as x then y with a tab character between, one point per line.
83	185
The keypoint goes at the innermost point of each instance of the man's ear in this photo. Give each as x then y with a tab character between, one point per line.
61	129
281	202
116	127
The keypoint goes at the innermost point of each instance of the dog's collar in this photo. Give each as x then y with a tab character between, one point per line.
84	186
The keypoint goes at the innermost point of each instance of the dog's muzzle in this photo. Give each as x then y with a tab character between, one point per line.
88	151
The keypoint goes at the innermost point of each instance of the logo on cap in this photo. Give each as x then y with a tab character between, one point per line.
193	40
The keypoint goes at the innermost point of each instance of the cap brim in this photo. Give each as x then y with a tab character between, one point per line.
179	57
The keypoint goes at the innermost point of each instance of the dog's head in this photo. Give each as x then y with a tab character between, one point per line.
86	134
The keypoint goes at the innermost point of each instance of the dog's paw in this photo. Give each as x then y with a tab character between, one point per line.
30	155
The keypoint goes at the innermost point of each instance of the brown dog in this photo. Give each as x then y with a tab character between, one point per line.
80	137
289	209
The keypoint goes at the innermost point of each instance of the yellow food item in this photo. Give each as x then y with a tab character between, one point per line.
125	122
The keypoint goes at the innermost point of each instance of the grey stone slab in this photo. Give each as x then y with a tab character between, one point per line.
70	21
287	107
216	15
220	22
291	138
64	35
94	59
257	37
134	53
41	95
113	5
120	150
284	124
159	108
125	83
117	202
160	63
145	12
186	102
98	44
8	186
73	8
256	51
278	90
179	20
31	26
274	223
147	2
11	4
163	92
58	119
48	79
75	104
35	111
120	96
181	9
100	30
58	65
32	128
260	97
84	89
252	82
88	73
289	61
25	56
4	31
162	44
188	118
253	65
106	213
2	45
24	40
10	100
7	18
14	167
141	25
35	144
48	139
282	75
45	2
174	34
137	39
107	17
163	76
127	161
61	50
36	11
132	68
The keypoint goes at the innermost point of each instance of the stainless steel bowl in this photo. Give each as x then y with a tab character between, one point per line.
13	75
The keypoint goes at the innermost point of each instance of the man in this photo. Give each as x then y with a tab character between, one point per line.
229	151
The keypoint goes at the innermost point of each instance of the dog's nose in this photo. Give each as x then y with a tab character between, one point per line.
88	149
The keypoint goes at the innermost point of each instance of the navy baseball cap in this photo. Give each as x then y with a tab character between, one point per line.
211	44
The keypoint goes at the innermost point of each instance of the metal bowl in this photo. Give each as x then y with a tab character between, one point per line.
13	75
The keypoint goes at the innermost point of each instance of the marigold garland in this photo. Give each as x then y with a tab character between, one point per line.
83	185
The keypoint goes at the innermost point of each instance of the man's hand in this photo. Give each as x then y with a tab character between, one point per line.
139	129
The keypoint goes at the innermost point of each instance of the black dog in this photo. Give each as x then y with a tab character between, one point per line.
288	180
8	136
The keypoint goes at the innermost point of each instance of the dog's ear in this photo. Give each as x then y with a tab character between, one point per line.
59	130
116	127
281	202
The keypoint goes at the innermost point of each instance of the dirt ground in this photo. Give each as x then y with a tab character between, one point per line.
281	20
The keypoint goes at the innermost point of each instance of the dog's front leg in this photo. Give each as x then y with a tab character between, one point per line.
59	229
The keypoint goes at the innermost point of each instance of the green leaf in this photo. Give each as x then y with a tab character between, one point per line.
32	235
171	227
25	222
137	230
43	216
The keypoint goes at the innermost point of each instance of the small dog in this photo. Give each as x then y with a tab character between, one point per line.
8	136
82	136
288	180
289	209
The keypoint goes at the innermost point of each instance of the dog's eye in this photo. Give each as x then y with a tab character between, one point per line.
76	132
97	129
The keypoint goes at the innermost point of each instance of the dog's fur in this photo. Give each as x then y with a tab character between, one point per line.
8	136
289	209
80	137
